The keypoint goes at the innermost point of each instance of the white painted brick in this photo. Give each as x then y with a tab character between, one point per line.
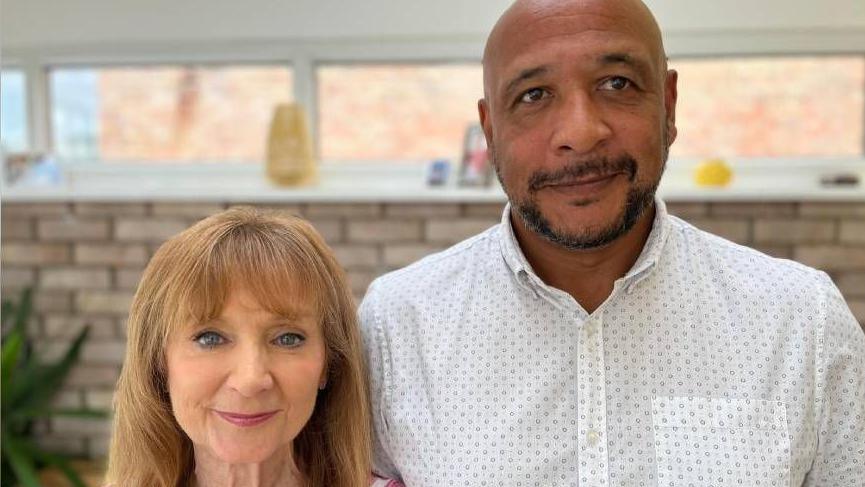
35	253
857	306
384	230
17	229
99	399
111	254
68	399
793	231
98	446
56	326
779	251
359	281
111	209
103	353
128	278
832	209
17	277
452	231
80	426
19	210
398	255
92	376
422	210
851	284
330	229
484	210
72	229
281	209
48	301
356	256
830	257
754	210
853	232
148	229
74	278
72	446
686	211
185	209
342	210
109	302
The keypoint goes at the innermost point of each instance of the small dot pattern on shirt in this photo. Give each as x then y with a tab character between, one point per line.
709	365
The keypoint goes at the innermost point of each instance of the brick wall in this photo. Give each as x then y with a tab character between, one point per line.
84	261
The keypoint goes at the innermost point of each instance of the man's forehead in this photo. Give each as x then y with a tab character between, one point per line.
577	27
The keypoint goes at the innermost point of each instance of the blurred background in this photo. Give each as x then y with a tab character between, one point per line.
124	122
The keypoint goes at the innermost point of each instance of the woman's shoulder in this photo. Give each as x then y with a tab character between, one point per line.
382	482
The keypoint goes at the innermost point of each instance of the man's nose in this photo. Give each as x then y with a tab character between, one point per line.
580	125
250	374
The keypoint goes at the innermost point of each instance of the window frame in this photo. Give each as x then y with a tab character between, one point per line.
303	57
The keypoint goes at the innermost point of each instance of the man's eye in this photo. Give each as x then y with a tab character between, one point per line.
616	83
289	340
209	339
533	95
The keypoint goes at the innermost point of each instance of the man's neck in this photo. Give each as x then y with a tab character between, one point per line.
587	275
279	470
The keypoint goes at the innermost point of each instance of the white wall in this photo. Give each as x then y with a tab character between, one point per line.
38	23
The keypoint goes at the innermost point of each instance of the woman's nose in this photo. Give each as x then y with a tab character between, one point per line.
250	373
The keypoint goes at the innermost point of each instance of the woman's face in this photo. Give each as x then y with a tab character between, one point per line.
243	385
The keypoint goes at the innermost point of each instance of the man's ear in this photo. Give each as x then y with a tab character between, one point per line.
671	94
486	123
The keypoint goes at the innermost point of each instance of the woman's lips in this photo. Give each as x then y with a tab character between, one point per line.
246	420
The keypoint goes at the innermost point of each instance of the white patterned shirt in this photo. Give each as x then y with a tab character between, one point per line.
710	364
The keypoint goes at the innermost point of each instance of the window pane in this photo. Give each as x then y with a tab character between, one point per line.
396	112
792	106
166	113
13	111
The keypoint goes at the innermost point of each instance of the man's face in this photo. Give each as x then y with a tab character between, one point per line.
579	116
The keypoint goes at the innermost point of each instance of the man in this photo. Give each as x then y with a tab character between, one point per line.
590	338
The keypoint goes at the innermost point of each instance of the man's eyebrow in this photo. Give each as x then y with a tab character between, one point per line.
524	75
636	63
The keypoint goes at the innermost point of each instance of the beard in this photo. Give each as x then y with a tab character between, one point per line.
640	197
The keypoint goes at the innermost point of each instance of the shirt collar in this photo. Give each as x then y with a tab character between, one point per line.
649	256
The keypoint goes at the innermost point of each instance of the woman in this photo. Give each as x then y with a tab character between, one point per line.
243	363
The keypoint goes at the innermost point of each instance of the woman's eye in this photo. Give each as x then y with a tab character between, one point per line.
289	340
616	83
533	95
209	339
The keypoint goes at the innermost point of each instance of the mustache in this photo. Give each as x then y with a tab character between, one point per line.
580	169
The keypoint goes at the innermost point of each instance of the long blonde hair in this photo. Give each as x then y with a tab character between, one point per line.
279	259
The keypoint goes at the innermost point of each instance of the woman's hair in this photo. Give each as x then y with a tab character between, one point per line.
279	259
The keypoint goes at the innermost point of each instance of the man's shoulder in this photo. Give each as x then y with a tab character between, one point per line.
441	268
733	261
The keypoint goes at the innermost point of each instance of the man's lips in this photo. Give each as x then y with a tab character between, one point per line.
246	420
585	181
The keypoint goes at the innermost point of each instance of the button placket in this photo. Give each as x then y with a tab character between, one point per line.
592	405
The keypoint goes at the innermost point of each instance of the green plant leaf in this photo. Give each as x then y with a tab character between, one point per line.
22	464
39	383
23	310
8	360
6	311
85	413
57	461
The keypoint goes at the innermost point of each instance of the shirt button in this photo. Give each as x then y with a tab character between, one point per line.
593	437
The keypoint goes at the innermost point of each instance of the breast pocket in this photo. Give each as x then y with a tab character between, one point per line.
701	441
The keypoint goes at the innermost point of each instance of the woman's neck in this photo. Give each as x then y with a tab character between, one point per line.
278	470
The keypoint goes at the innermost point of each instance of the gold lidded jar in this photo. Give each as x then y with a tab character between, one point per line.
290	160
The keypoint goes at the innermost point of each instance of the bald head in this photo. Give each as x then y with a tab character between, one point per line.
527	21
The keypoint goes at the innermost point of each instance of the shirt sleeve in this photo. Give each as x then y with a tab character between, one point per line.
840	458
375	348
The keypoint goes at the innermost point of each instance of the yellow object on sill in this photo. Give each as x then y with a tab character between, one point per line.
290	160
713	172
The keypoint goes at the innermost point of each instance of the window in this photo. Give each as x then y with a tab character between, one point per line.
165	113
771	107
13	111
393	112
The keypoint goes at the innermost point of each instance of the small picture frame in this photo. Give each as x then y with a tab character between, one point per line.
475	169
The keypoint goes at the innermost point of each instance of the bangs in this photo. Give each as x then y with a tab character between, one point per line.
280	267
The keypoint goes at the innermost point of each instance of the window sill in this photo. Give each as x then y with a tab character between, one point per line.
763	180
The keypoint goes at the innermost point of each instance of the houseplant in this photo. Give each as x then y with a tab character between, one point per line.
28	388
